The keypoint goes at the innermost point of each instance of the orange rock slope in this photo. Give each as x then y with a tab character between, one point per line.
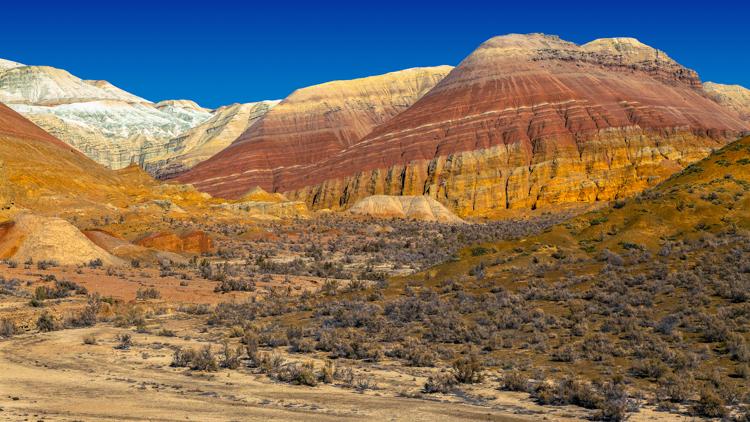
308	127
524	122
194	242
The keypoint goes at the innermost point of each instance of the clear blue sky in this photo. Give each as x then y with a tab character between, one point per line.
219	52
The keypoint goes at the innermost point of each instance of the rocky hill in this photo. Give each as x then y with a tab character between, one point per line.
530	122
308	127
735	97
205	140
420	208
108	124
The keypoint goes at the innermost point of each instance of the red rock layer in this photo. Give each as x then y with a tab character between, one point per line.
195	242
14	125
308	127
525	121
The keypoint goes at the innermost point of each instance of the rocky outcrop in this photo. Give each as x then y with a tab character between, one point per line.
734	97
267	209
308	127
31	237
123	249
205	140
112	126
527	122
411	207
45	174
197	242
45	85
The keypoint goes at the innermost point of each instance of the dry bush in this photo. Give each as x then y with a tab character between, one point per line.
296	373
124	341
441	382
7	328
46	323
148	293
231	357
710	405
515	381
468	369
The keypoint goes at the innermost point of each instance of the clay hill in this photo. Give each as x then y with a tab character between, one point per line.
308	127
38	170
111	126
42	178
707	198
205	140
734	97
410	207
525	122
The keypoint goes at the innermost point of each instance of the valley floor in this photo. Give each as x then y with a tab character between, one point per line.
55	376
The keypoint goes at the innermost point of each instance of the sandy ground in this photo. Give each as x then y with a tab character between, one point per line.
53	376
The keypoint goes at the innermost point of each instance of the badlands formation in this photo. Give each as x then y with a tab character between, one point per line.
308	127
734	97
207	139
116	128
525	122
421	208
111	126
529	122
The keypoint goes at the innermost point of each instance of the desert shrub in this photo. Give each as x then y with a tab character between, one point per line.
270	363
327	373
468	369
204	360
46	322
165	332
299	374
182	357
250	340
710	405
7	328
649	368
742	371
230	356
89	339
232	285
565	353
514	381
303	345
615	404
675	388
45	264
348	343
88	315
148	293
124	341
440	382
414	352
737	348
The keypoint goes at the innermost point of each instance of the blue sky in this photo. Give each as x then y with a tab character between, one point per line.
223	52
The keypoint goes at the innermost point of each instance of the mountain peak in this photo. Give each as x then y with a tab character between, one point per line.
7	64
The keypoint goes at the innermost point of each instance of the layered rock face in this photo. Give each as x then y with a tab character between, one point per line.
110	125
194	242
734	97
412	207
42	172
205	140
52	239
527	122
308	127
